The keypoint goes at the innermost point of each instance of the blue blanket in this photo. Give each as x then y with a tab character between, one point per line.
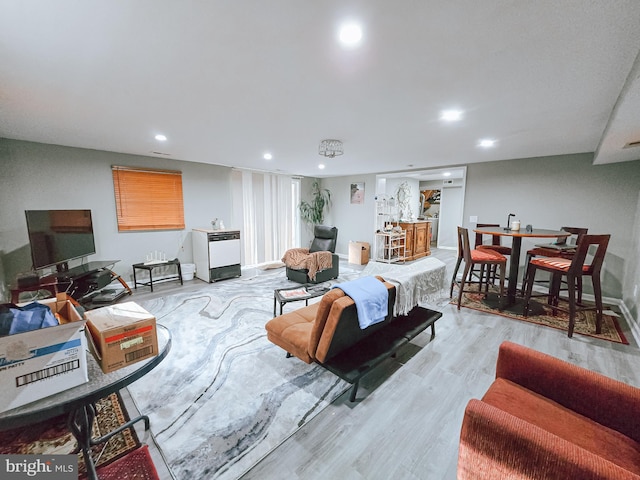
371	298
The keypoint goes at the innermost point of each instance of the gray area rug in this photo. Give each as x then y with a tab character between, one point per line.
225	396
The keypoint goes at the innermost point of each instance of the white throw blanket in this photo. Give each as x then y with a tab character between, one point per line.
421	281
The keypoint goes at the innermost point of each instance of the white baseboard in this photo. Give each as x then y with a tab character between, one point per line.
632	322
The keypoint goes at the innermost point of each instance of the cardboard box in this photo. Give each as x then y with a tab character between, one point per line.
120	335
359	252
40	363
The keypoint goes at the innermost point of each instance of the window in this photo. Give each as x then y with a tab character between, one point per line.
266	206
148	199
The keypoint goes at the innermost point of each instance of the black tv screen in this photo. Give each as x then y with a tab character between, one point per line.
57	236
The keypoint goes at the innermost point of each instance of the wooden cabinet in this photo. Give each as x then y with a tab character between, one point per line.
421	240
418	239
409	231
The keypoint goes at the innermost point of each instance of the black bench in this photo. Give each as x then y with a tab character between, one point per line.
358	360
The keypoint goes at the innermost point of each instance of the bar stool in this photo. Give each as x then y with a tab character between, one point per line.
572	269
567	251
483	258
496	245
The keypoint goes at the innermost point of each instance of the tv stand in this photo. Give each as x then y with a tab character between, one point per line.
86	281
62	267
82	283
84	269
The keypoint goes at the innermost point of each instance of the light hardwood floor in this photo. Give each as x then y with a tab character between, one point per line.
406	421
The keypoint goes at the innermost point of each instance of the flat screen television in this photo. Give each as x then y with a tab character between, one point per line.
57	236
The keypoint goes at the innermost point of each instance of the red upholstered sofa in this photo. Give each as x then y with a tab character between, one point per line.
543	418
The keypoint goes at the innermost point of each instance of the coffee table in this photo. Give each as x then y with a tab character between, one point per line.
149	268
297	293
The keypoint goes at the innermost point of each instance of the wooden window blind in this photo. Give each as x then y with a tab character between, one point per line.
148	199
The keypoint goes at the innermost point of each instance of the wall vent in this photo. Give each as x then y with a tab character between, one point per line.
632	144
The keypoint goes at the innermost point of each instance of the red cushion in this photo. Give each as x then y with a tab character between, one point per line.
564	423
560	264
136	465
486	255
496	248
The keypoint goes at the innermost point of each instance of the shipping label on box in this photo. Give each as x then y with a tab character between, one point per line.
40	363
121	335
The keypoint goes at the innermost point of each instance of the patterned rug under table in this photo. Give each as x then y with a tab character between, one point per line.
585	321
52	437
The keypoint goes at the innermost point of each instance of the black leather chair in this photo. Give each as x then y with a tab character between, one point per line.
324	240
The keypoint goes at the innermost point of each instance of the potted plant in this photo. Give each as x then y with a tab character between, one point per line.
312	213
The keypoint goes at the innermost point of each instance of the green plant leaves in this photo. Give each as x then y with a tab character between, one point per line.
312	212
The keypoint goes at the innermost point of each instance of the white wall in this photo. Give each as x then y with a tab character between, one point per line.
451	212
355	222
631	283
568	190
39	177
547	192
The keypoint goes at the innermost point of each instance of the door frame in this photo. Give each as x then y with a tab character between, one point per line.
459	178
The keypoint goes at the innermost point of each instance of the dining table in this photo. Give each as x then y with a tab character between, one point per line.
78	403
512	302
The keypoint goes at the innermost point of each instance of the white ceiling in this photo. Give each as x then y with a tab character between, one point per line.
227	81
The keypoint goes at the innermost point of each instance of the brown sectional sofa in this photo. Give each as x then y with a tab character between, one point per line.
543	418
329	334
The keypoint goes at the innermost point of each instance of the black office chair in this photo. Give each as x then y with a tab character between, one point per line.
325	238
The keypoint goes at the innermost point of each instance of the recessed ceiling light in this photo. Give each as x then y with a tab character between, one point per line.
451	115
321	166
267	156
486	143
446	174
161	138
350	34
